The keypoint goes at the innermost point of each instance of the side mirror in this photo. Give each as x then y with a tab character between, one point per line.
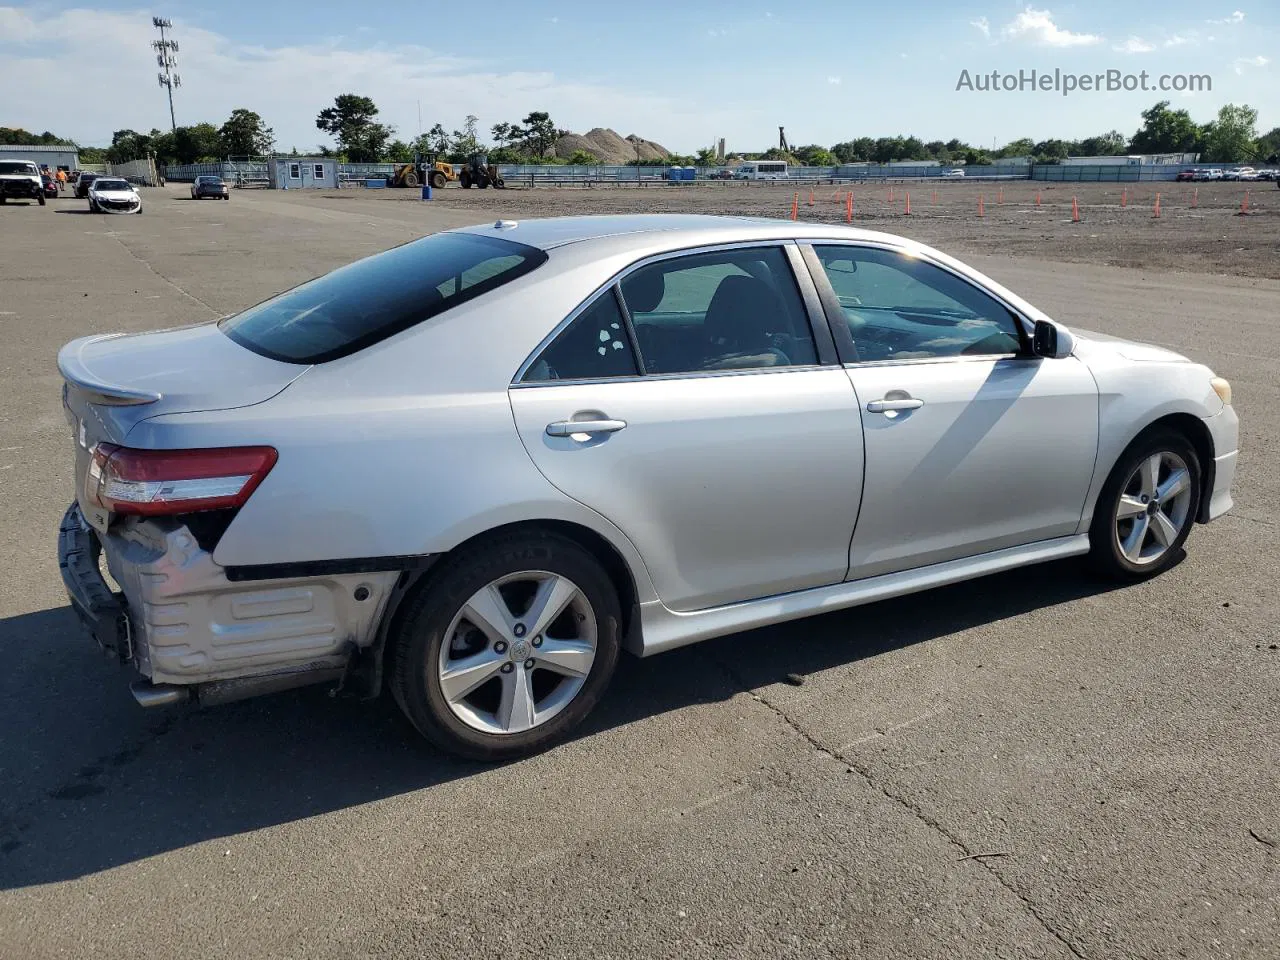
1051	341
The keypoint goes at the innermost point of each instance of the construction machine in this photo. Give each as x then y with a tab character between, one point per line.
436	173
479	172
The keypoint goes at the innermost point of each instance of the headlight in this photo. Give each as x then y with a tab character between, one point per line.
1222	388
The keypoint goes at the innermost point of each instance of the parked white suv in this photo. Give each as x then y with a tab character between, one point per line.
20	180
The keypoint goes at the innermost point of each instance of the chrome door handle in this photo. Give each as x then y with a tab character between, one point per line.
567	428
887	406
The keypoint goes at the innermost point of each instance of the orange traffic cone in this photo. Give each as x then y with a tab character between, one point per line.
1195	198
1037	198
848	207
795	207
935	198
1075	211
1124	198
1000	196
1244	204
982	207
907	212
811	197
1156	214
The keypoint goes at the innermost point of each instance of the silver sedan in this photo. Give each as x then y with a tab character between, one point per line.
473	469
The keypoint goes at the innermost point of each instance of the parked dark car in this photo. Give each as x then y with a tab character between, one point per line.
82	183
214	187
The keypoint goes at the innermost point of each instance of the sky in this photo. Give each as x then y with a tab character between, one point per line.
680	74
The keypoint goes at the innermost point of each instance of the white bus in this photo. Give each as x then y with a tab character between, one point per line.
762	170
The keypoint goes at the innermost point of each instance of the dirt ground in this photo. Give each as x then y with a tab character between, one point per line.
1200	229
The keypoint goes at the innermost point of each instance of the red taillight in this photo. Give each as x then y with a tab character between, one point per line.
160	482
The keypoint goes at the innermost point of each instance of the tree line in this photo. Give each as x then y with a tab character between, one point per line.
352	121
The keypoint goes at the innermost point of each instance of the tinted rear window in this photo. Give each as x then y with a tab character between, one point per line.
369	300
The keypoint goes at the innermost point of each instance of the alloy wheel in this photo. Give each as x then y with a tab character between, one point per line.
517	652
1154	508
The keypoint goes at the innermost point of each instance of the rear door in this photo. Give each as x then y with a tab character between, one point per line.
972	444
688	404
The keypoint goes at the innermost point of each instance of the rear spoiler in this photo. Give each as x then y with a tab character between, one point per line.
77	374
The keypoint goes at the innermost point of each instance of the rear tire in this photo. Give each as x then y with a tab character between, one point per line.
1147	507
410	180
41	198
561	671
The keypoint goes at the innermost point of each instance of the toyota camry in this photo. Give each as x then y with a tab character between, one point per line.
472	470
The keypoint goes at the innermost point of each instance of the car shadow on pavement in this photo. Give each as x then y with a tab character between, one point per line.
92	781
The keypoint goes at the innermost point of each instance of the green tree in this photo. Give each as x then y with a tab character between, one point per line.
128	145
539	131
1022	147
1269	147
1109	144
351	121
1165	131
581	158
195	143
436	140
467	140
1233	136
245	135
399	152
814	155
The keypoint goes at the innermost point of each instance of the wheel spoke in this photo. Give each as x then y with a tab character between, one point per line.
1150	473
1178	481
569	657
1129	507
460	677
1163	529
554	594
489	613
515	711
1131	546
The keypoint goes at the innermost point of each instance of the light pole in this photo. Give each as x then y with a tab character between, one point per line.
165	50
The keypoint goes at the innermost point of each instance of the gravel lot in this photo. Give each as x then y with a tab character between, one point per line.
1033	765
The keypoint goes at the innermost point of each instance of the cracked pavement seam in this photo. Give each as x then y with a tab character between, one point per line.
912	808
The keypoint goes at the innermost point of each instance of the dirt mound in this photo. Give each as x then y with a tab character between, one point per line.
608	147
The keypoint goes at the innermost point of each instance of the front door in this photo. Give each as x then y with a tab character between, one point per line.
972	445
702	425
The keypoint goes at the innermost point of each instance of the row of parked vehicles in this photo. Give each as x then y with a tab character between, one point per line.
23	180
1204	174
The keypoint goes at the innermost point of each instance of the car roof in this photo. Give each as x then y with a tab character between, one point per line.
652	229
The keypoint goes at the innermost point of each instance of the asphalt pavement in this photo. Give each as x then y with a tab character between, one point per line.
1031	765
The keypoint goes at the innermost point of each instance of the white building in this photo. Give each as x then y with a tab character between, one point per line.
54	156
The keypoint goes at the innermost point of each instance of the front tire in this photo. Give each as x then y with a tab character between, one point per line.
1147	507
509	648
40	198
438	180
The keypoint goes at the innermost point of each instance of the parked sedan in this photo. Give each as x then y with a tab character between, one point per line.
84	182
473	469
214	187
1185	175
113	195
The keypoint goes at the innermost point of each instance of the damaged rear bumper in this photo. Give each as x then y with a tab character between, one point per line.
186	626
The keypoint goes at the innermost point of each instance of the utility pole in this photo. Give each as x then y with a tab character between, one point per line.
165	50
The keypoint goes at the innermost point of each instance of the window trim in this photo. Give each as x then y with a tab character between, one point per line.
816	316
295	171
840	327
317	171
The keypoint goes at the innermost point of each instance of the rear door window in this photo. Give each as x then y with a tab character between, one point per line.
731	310
372	299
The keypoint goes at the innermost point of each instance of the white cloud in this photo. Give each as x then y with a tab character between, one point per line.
1037	27
85	49
834	81
1134	45
1177	40
1236	17
1243	63
983	25
903	56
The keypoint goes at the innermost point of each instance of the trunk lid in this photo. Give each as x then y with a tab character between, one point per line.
115	381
